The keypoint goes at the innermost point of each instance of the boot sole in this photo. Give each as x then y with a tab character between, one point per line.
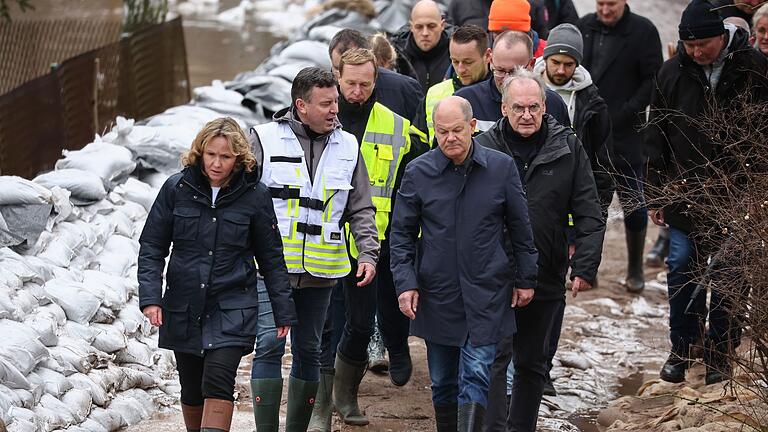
356	422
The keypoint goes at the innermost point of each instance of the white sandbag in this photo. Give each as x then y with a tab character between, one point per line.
10	280
44	324
10	395
136	352
79	304
16	190
133	405
98	394
133	210
21	346
134	378
53	382
126	133
81	360
119	255
85	186
55	311
42	269
133	320
17	265
53	403
306	51
64	241
108	378
108	338
22	425
115	289
84	259
8	310
138	192
111	162
109	418
79	331
28	399
65	368
16	413
103	316
10	376
123	224
25	302
91	425
216	92
78	402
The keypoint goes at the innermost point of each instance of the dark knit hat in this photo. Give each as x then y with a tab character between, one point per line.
565	39
700	21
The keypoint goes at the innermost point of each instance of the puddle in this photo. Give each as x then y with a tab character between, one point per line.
586	422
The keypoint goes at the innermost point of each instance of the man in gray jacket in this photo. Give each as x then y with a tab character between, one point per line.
318	181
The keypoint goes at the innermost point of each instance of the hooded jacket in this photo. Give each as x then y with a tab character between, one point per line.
591	122
678	152
431	66
360	212
557	182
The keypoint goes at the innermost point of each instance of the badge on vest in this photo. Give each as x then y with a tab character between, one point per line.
336	236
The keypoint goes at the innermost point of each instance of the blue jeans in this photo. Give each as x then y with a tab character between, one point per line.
687	260
460	374
311	306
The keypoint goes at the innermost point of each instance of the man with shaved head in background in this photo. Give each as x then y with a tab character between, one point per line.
425	43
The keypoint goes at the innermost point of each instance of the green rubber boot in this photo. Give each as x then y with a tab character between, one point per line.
346	384
321	414
301	400
265	396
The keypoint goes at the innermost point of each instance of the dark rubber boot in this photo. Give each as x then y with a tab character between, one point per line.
193	417
471	418
265	396
301	401
321	413
400	366
346	384
635	281
655	257
446	417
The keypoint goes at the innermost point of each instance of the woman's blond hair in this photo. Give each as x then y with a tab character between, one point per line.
228	128
385	53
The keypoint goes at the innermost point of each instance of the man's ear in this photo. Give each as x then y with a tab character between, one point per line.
301	106
504	109
473	123
442	24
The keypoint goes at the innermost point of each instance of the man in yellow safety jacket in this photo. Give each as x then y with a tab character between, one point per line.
470	57
386	145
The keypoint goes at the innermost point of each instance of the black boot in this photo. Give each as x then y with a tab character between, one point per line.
635	281
655	257
549	388
400	366
265	395
677	363
301	401
471	418
718	364
446	417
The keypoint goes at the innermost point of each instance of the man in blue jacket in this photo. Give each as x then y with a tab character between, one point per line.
461	295
511	50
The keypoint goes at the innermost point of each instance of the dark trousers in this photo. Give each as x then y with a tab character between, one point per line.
311	307
363	304
629	187
687	259
530	354
211	376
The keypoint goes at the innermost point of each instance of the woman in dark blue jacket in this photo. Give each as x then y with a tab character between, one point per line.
218	218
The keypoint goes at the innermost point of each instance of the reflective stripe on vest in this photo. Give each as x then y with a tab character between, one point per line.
435	94
309	212
385	142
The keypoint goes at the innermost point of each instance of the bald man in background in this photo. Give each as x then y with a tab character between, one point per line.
424	43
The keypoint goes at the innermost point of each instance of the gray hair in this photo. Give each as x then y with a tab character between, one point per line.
520	74
510	38
761	12
464	105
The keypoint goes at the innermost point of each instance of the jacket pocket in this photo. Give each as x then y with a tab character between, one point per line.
240	316
337	179
176	321
185	223
234	230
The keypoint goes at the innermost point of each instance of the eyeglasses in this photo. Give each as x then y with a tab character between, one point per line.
520	110
501	73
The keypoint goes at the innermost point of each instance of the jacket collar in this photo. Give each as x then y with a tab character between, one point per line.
478	155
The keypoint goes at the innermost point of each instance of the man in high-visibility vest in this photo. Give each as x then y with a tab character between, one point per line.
470	57
386	146
318	181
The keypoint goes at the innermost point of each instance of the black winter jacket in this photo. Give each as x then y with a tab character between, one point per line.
676	149
432	66
625	76
557	182
210	298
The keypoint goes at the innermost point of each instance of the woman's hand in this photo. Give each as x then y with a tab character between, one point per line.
282	331
155	315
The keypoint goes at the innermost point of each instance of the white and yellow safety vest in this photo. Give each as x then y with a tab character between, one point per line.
435	94
309	211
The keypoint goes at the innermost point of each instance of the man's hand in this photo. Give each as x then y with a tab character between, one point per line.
521	296
155	315
408	303
580	284
282	331
657	216
367	272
